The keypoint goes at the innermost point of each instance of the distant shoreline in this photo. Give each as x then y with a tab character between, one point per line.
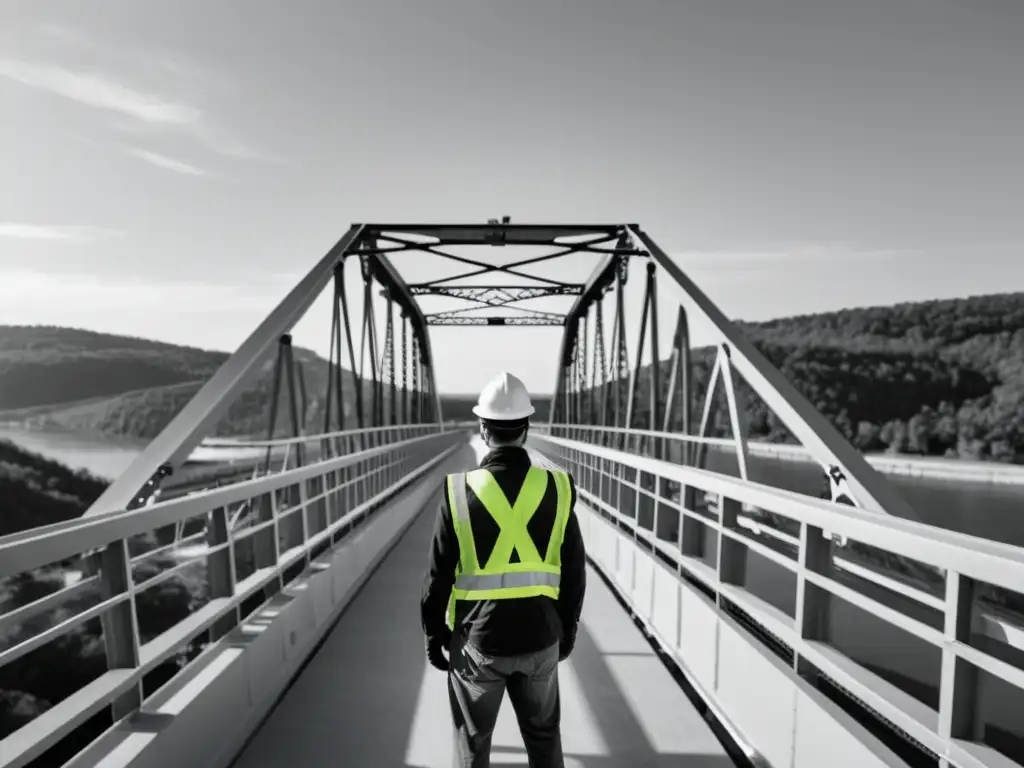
937	468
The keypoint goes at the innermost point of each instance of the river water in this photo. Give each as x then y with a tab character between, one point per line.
981	509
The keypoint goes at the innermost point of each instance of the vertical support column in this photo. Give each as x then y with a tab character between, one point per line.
958	685
620	362
581	375
339	278
416	403
335	386
368	342
405	369
266	545
679	381
598	402
120	623
656	409
737	414
296	531
634	377
707	420
390	352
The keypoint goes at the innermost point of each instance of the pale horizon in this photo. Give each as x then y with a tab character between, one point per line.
172	170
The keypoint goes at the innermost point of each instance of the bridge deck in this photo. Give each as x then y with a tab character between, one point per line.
369	698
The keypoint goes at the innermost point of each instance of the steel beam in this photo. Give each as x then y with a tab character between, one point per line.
599	281
490	234
177	440
397	288
496	295
807	424
450	318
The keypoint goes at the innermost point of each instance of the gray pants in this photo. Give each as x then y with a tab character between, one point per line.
476	686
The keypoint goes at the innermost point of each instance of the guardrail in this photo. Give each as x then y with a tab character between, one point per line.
225	460
301	512
646	498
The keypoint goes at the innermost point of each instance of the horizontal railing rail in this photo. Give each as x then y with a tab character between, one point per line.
647	498
404	430
298	513
227	460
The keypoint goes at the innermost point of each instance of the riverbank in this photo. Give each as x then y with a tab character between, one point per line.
911	466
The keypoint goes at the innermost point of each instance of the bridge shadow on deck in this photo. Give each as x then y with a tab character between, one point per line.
368	698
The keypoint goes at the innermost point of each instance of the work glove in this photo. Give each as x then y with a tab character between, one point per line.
567	643
436	647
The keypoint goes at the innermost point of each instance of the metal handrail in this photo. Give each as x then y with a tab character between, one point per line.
321	511
981	559
229	443
965	560
47	544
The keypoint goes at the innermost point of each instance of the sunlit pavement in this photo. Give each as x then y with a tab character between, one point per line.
368	697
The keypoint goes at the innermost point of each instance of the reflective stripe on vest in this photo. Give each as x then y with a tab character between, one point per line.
534	574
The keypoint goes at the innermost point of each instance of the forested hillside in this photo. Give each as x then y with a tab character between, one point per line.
938	378
122	386
37	491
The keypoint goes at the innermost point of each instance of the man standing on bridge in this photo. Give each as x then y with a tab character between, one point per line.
507	565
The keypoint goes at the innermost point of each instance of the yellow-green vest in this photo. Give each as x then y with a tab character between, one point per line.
500	579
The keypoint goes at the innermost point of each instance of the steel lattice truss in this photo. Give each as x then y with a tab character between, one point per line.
496	296
455	317
411	238
604	385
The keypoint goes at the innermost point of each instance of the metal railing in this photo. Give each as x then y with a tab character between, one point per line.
232	460
648	499
297	513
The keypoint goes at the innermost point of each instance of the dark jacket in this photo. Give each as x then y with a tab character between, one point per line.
512	626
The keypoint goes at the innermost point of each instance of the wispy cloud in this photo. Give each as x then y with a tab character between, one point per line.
21	231
98	91
167	163
143	109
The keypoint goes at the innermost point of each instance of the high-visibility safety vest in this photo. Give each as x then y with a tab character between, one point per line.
534	575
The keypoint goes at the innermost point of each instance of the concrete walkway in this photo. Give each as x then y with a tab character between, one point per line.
368	697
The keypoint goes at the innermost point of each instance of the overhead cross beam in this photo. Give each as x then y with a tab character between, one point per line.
455	318
496	295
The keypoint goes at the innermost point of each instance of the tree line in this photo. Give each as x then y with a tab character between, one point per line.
942	378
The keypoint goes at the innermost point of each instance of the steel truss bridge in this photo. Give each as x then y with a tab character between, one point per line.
720	620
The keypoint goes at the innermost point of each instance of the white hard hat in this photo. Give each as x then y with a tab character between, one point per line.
504	399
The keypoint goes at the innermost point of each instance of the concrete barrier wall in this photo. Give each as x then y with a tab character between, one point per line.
205	716
770	711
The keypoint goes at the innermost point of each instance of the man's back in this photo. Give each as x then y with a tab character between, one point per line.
516	626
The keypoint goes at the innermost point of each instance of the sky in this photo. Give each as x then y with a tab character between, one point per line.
171	169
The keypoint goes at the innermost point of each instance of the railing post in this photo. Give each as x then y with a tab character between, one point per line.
120	623
958	684
221	568
732	554
812	602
